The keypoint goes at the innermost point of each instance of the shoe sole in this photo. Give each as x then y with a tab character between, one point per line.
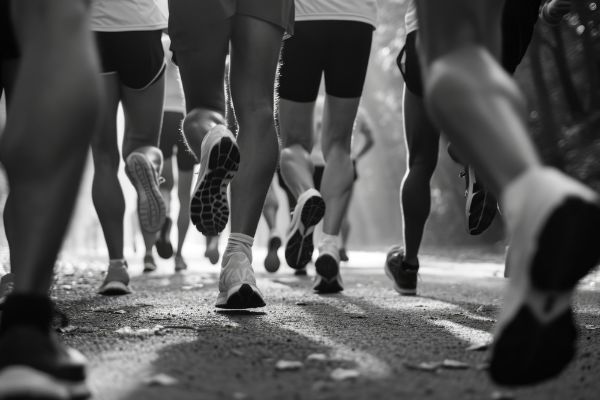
481	210
527	350
149	268
209	210
20	382
397	288
327	272
299	247
241	298
114	288
151	206
272	262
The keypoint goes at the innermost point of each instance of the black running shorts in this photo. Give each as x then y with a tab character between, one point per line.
338	49
8	41
190	18
518	21
136	56
171	138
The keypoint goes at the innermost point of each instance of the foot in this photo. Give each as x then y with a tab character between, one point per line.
34	364
237	285
212	250
144	175
180	264
328	278
343	255
307	213
481	206
7	284
164	248
301	272
403	274
116	281
219	160
554	231
149	263
272	262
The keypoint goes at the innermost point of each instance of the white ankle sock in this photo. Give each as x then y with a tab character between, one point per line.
238	242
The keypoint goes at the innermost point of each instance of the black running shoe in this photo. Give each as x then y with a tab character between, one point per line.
164	248
307	213
35	365
401	273
272	262
481	205
554	234
219	161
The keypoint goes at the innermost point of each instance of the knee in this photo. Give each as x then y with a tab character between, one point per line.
424	166
201	120
105	160
253	110
292	153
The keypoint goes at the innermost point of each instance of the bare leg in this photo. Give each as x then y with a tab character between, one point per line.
270	208
296	125
338	177
422	141
255	49
184	187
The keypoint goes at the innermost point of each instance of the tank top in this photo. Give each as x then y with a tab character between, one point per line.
127	15
341	10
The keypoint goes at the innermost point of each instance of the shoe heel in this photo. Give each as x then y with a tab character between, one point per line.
568	246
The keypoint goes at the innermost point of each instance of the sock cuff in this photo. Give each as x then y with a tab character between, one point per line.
327	238
241	238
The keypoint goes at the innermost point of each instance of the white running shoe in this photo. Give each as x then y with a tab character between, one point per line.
328	278
219	161
237	285
554	225
299	241
144	176
116	281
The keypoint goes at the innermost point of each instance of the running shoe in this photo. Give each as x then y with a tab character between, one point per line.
144	176
212	250
219	160
301	272
164	248
116	281
149	263
344	255
327	265
481	205
403	274
7	284
272	262
554	234
180	264
35	365
307	213
237	285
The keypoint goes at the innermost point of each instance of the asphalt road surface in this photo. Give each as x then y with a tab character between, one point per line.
167	341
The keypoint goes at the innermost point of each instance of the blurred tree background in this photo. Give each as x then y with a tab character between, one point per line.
560	77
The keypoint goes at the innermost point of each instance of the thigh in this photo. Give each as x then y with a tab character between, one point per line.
302	61
412	69
296	123
422	137
202	68
518	21
445	26
255	48
348	52
104	140
143	110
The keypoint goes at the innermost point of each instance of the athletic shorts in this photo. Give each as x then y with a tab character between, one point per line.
189	18
136	56
8	42
518	21
338	49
